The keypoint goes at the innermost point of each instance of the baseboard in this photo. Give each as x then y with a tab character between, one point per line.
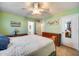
69	47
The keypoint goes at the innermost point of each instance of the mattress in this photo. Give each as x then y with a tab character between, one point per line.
30	45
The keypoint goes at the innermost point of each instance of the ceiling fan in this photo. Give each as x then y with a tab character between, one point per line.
37	8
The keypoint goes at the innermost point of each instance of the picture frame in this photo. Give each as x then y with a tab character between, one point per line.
15	24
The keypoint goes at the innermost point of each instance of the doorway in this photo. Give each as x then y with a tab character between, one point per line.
39	27
31	29
66	31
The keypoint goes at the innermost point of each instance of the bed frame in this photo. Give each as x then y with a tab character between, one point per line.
44	34
57	40
53	53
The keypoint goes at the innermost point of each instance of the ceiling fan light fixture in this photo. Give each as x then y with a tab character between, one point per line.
36	12
38	8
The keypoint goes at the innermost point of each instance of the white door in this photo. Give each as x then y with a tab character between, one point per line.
66	31
75	31
30	27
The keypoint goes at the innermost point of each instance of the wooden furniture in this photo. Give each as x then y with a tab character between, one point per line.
16	35
54	36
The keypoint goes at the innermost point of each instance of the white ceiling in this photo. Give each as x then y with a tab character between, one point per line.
17	7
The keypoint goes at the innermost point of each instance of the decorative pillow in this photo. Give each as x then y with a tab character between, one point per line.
4	41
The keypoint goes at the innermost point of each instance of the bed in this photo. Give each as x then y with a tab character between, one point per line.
29	45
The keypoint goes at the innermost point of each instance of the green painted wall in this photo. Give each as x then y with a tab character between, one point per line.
6	18
55	28
5	26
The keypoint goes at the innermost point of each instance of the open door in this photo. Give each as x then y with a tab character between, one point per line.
66	31
69	31
39	28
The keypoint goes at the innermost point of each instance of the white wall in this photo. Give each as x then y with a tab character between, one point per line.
74	41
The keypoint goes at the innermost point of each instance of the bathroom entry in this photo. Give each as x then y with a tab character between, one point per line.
69	31
39	27
66	31
31	27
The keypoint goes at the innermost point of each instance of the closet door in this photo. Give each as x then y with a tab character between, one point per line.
75	31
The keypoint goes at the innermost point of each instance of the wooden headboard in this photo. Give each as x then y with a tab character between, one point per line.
50	35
